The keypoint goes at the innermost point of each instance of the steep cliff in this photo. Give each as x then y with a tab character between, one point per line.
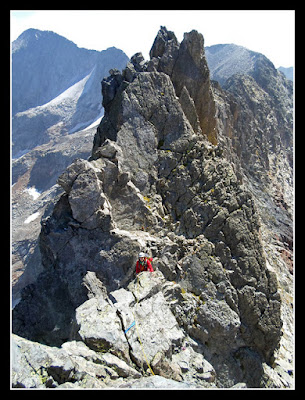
159	180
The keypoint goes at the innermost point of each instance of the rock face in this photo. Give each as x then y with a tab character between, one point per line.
186	65
159	181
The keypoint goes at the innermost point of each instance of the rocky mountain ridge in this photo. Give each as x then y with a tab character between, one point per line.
225	60
56	106
169	174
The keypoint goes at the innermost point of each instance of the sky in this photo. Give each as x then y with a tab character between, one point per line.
270	32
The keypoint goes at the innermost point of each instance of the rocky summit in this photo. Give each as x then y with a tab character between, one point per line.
199	177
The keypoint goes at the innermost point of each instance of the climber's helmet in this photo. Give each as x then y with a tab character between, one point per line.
141	255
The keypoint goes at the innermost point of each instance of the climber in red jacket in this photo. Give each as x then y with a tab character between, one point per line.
144	264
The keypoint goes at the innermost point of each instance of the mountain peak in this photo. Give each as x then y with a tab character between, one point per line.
31	32
226	60
45	64
34	36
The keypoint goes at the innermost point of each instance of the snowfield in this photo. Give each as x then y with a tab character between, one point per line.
32	217
32	191
72	94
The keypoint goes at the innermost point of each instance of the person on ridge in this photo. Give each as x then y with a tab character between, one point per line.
143	264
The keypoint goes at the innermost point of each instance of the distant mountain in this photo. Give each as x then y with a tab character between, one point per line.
55	86
45	64
225	60
288	72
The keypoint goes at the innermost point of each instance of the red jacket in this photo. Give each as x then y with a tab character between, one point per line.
146	267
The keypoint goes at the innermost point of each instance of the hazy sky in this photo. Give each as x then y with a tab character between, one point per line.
270	32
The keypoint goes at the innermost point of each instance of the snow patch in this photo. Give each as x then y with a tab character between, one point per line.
20	154
31	217
67	100
32	191
73	92
81	127
96	122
